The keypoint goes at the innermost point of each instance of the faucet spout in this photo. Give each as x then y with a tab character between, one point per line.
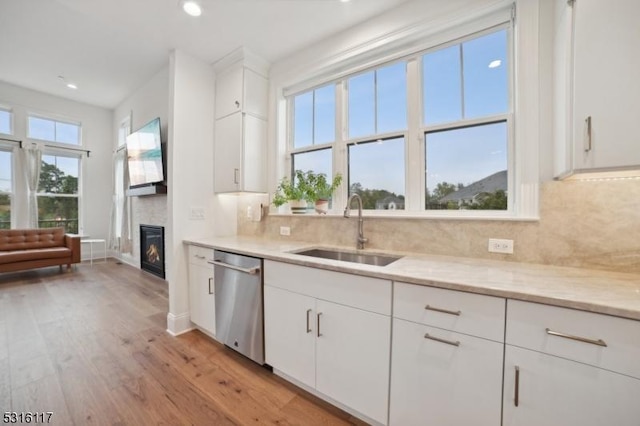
347	213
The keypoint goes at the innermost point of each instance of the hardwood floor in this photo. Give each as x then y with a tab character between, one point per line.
90	346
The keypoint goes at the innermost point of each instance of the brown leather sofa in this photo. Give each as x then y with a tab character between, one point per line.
36	248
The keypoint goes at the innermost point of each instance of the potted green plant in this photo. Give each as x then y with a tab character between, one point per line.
295	192
320	190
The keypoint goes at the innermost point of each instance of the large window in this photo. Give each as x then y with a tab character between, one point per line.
429	132
6	188
58	200
53	130
6	121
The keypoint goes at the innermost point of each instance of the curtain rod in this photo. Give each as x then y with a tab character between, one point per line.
11	140
51	146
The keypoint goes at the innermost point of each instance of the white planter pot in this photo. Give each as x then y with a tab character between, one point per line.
322	206
298	206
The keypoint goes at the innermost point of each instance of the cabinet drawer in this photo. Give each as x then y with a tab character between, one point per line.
582	335
370	294
468	313
200	255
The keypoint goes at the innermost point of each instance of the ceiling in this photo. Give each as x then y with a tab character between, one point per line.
108	48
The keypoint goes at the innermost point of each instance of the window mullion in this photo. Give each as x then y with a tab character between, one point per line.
414	151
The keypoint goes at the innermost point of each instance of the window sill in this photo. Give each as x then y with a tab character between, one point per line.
398	215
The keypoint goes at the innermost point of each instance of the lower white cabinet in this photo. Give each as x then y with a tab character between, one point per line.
439	377
201	289
542	389
340	351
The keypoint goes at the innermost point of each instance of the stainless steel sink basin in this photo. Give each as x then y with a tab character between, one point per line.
348	256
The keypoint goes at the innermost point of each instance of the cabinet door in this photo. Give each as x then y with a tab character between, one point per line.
290	334
352	352
229	91
436	382
227	152
254	164
606	64
556	391
201	297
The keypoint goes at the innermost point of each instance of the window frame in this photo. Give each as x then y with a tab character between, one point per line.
55	119
78	195
11	192
11	119
416	130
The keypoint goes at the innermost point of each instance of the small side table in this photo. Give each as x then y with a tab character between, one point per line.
91	241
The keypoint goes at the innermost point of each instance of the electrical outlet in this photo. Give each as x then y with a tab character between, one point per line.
500	246
249	212
285	230
196	213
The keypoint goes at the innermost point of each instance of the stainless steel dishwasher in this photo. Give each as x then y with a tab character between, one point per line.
238	290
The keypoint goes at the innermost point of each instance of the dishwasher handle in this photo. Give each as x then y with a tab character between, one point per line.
250	271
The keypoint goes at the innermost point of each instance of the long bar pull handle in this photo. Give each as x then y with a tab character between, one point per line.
516	397
210	291
444	311
588	140
250	271
235	175
308	326
198	256
437	339
598	342
318	330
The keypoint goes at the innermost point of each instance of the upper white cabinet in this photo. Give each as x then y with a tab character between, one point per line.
605	95
241	126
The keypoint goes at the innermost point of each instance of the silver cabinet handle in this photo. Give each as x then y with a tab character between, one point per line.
318	330
197	256
588	139
444	311
308	327
516	396
437	339
210	291
250	271
237	104
235	175
598	342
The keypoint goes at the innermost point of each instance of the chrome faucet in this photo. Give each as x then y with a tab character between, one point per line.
347	214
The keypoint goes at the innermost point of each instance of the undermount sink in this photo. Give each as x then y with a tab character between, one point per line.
349	256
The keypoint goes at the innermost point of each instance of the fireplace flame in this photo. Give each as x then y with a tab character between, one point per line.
153	255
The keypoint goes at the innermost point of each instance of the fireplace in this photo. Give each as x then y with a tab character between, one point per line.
152	249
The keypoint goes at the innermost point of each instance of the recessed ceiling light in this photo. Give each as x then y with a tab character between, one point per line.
495	64
192	7
344	1
72	86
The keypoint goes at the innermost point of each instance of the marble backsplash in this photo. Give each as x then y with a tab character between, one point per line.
591	224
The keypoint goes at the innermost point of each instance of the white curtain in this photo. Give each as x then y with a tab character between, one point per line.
126	245
113	241
32	164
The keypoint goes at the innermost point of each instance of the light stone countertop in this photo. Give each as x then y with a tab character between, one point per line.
612	293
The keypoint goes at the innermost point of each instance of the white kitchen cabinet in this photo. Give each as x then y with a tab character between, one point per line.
446	369
201	289
606	93
331	332
570	367
557	391
290	336
241	89
240	154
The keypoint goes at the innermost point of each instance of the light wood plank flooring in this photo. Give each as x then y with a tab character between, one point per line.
90	346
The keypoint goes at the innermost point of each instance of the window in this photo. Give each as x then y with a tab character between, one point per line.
6	121
6	188
430	132
466	106
58	200
119	179
53	130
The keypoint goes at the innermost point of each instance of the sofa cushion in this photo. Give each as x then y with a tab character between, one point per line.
26	255
22	239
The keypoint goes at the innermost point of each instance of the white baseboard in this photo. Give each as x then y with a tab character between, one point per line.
178	324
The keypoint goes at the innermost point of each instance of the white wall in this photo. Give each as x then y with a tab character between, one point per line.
191	115
97	137
148	102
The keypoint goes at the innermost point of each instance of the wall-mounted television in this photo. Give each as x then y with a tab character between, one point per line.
144	155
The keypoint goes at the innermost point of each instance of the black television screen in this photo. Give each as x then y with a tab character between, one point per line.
144	155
